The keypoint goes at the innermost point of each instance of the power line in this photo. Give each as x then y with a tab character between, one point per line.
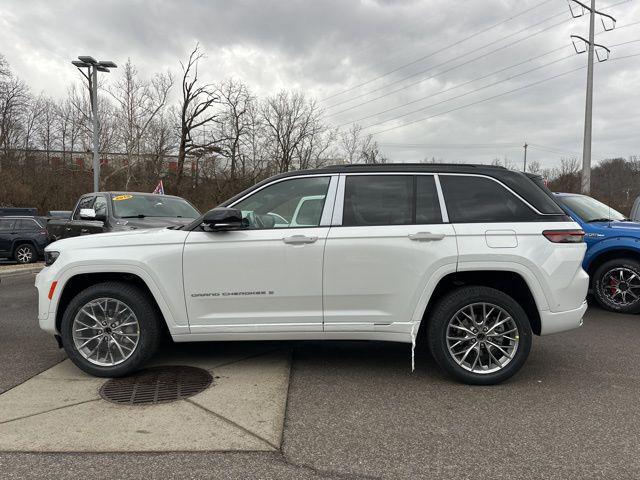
491	27
544	65
496	96
459	85
553	149
449	61
455	66
450	145
471	91
472	81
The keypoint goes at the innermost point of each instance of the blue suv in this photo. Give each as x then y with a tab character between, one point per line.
613	252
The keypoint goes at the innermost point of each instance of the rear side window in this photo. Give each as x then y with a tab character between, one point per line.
26	225
6	225
479	199
378	200
390	200
427	203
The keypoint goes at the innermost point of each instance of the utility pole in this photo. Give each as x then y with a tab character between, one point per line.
93	67
585	184
524	167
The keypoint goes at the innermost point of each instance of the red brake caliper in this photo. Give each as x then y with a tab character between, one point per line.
613	284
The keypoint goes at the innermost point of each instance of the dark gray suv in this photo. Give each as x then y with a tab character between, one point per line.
23	238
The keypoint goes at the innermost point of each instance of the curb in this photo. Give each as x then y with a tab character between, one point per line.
19	271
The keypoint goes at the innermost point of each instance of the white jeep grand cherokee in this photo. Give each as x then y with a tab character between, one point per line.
475	258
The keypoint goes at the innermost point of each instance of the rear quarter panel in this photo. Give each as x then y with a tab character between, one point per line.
553	271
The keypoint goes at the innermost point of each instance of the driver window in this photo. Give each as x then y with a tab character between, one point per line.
291	203
100	206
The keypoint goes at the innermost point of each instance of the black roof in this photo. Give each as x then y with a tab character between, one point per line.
523	184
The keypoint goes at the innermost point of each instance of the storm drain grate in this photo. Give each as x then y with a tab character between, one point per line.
156	385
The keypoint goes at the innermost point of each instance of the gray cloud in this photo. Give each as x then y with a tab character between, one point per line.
324	47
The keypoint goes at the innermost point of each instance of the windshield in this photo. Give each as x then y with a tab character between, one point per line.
589	209
136	205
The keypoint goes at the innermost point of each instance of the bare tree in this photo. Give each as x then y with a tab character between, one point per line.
138	103
196	111
290	121
14	96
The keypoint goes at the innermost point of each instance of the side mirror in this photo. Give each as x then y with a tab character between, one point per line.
87	214
220	219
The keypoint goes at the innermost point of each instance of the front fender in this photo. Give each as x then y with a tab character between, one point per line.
173	309
608	245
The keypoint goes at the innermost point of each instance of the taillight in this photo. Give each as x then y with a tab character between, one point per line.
564	236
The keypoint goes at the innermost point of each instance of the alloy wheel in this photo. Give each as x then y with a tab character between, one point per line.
24	255
482	338
621	286
105	332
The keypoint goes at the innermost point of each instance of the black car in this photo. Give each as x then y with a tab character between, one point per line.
112	211
23	238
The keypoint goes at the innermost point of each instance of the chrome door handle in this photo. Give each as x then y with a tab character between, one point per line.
426	236
299	239
84	230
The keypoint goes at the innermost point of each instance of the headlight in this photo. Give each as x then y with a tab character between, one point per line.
50	257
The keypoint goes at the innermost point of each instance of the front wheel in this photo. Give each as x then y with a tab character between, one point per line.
479	335
616	285
110	329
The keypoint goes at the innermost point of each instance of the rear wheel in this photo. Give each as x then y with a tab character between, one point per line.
110	329
25	253
479	335
616	285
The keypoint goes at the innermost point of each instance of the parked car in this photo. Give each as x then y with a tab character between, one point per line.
613	252
477	258
16	211
23	238
118	211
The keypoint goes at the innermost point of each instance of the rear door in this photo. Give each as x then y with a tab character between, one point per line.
387	241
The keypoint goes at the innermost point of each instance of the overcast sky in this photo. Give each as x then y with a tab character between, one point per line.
347	52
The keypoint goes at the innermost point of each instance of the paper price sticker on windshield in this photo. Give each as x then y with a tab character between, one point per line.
122	197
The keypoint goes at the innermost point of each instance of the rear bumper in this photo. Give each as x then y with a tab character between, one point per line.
554	322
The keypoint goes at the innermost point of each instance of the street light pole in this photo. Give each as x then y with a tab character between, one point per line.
585	187
96	141
524	167
93	67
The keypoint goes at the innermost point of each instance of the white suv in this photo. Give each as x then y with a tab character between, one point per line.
474	258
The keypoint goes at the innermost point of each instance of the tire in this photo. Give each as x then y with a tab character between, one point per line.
25	253
141	319
610	294
446	324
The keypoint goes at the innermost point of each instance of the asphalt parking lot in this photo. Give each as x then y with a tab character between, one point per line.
355	410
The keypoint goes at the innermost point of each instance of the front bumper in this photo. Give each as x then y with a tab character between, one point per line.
555	322
46	319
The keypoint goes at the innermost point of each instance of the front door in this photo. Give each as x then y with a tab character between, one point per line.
267	277
389	242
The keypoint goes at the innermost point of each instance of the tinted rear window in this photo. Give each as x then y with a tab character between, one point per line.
478	199
427	203
25	225
378	200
